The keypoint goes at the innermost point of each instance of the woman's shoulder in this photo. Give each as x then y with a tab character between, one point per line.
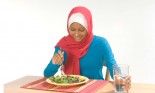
100	42
99	39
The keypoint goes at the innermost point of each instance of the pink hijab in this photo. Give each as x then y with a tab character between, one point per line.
75	50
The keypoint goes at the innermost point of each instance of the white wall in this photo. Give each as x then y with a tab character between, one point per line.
29	30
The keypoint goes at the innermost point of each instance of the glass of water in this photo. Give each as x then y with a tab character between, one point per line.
120	73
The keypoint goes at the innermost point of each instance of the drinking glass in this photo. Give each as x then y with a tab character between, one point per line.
120	73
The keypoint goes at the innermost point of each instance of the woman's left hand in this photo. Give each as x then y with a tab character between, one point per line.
128	83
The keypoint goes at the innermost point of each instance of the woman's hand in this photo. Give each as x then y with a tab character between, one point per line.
58	58
128	83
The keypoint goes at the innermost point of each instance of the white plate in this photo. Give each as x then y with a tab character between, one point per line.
69	84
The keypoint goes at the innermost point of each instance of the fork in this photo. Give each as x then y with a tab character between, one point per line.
62	69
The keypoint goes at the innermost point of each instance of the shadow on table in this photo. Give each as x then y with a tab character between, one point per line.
107	92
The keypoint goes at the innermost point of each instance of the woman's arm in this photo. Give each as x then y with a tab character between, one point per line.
51	68
109	57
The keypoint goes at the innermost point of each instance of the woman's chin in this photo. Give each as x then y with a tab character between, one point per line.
77	40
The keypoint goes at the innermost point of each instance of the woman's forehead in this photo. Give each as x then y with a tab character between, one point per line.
76	24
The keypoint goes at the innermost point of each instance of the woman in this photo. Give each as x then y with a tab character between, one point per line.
81	52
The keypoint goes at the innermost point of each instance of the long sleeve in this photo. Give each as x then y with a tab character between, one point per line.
109	58
51	68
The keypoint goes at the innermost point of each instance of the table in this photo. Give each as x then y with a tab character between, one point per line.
14	87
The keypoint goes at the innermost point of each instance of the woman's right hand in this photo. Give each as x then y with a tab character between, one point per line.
58	58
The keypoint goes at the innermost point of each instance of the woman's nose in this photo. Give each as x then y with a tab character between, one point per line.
76	33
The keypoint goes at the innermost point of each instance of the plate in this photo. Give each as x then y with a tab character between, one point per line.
81	80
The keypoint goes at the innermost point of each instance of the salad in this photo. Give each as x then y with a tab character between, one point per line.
66	79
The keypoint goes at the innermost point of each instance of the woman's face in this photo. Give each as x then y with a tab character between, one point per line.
77	31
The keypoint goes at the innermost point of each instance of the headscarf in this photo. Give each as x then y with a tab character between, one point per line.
75	50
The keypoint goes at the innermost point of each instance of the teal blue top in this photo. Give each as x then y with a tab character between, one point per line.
91	64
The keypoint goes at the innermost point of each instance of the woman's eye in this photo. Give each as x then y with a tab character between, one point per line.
81	30
72	29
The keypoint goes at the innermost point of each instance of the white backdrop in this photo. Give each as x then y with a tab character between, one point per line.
29	30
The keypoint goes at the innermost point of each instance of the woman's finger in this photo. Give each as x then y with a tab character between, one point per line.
61	54
58	59
55	59
128	83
